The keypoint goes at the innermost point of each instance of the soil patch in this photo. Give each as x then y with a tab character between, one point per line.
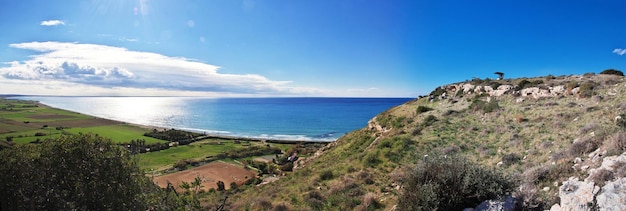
210	174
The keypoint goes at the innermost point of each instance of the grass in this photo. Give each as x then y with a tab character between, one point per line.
198	150
118	133
21	119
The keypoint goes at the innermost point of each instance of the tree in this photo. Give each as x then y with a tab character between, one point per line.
612	72
500	75
77	172
220	186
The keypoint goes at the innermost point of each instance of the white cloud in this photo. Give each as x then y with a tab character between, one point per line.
52	23
110	68
619	51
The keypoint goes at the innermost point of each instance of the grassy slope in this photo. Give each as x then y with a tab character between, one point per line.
536	133
118	133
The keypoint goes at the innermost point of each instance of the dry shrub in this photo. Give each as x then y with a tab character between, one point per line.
559	171
262	203
583	146
529	197
616	143
398	174
450	150
620	169
601	176
365	177
484	151
511	159
536	174
546	144
315	199
346	185
559	155
587	128
369	202
282	207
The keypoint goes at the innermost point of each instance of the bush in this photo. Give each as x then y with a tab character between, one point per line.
511	159
429	120
79	172
527	84
422	109
616	144
612	72
326	175
586	89
181	164
487	107
450	183
437	92
584	146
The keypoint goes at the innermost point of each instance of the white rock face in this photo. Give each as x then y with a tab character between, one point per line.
613	196
576	195
579	195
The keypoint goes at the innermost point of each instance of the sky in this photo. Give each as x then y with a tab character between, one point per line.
278	48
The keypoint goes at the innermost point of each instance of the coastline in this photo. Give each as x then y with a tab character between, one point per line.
206	135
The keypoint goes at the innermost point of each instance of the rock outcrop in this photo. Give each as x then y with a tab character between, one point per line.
586	195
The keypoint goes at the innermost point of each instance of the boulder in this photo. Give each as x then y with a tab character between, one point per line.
613	196
576	195
508	203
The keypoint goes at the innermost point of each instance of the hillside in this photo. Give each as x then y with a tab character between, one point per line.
538	132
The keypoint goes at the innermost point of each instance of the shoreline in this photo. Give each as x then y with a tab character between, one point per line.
206	135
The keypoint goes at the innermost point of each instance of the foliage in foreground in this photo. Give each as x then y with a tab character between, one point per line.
79	172
450	183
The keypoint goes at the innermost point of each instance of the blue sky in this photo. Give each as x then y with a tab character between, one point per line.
367	48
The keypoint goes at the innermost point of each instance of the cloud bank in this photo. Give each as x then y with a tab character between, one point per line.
52	23
619	51
100	69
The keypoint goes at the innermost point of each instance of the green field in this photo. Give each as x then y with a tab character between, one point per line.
21	120
118	133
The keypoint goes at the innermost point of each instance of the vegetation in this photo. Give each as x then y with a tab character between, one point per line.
612	72
450	183
467	150
84	172
120	133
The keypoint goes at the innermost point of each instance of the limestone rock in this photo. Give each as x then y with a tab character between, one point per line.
507	204
576	195
613	196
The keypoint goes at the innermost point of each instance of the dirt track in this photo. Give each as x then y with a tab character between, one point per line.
210	174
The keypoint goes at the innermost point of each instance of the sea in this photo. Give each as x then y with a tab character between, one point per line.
299	119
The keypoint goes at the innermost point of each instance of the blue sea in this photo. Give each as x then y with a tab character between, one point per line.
310	119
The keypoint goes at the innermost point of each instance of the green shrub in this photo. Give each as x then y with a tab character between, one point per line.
487	107
326	175
422	109
429	120
372	159
78	172
511	159
612	72
587	89
450	183
437	92
527	84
